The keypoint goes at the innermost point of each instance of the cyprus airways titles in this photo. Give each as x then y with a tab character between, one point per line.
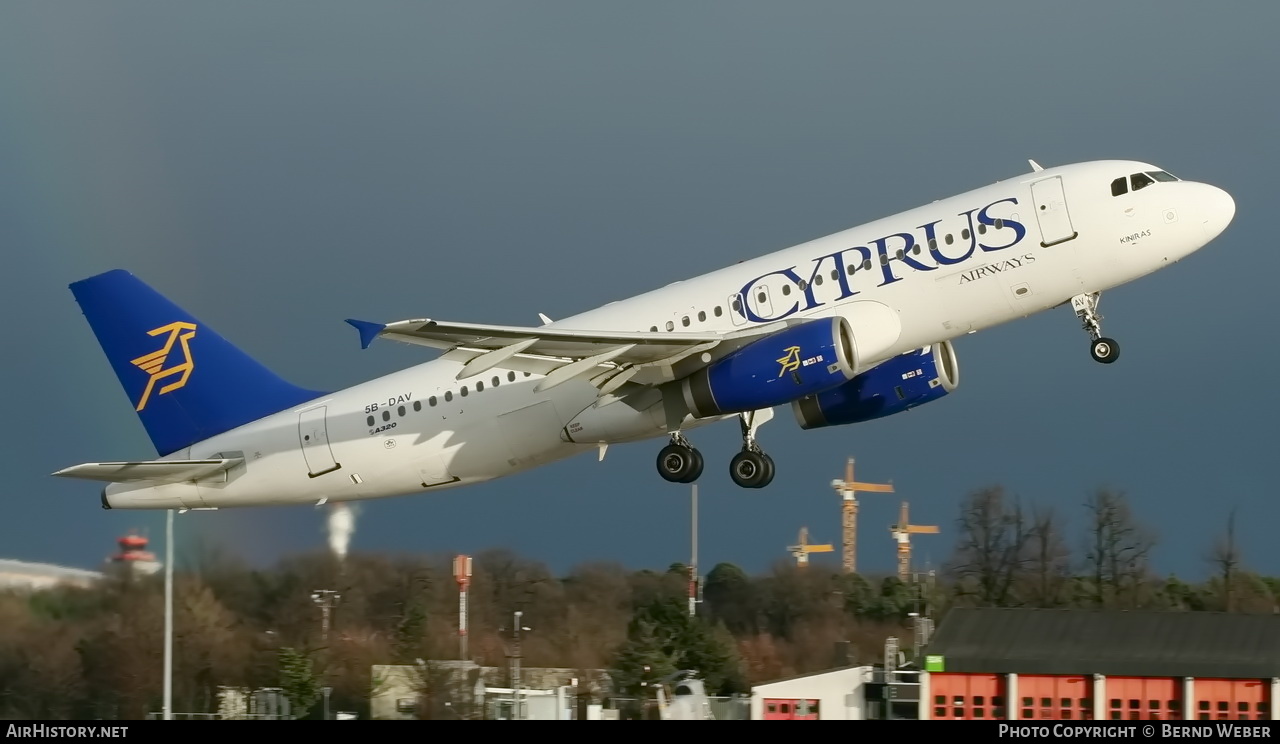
843	329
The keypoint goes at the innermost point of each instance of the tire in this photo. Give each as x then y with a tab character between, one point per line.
675	463
1104	350
695	468
748	469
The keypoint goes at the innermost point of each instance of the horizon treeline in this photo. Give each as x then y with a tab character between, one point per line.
97	652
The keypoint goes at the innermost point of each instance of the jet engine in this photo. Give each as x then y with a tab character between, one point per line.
897	385
804	359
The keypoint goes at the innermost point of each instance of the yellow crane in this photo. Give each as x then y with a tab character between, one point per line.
802	551
902	532
849	512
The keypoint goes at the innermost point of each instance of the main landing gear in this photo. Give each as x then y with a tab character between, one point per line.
752	468
679	462
1102	349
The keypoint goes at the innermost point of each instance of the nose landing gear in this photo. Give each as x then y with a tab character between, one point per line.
1102	349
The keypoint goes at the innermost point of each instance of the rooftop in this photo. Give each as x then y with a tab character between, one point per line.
1109	642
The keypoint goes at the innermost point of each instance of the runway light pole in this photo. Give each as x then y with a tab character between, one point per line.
168	615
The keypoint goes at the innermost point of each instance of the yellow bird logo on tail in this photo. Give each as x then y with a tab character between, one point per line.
791	361
153	363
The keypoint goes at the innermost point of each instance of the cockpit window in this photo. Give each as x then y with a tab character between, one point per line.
1119	186
1162	175
1141	181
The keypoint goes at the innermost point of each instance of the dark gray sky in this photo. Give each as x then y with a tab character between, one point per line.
277	167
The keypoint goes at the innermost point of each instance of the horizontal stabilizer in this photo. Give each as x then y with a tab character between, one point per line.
150	471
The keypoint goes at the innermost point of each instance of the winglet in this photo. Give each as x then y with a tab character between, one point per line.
1035	166
368	331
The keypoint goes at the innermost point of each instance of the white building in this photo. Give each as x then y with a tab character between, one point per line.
835	695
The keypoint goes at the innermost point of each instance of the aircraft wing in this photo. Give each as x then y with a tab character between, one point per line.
608	358
150	471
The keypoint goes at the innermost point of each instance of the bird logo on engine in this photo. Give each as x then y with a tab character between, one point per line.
791	361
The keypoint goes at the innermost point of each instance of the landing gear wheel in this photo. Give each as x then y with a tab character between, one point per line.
695	471
677	462
768	471
1104	350
750	469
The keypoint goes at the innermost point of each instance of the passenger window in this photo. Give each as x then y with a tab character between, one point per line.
495	380
964	234
716	311
786	289
982	229
448	395
835	274
818	280
671	325
400	410
702	316
949	240
386	415
933	244
370	421
480	386
511	376
999	223
417	405
653	329
1119	186
851	268
737	306
431	401
916	247
685	321
866	265
463	391
1141	181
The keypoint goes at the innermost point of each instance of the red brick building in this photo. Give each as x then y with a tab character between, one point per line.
1101	664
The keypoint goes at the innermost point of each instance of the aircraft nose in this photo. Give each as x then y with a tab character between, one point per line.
1217	209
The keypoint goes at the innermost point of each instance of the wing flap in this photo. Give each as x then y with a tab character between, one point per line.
150	471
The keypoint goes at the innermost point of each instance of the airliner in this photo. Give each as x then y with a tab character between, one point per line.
844	329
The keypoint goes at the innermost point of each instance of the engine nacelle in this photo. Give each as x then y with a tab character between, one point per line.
897	385
804	359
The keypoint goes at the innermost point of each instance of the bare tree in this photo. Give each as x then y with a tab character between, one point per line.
1118	550
990	552
1226	557
1049	560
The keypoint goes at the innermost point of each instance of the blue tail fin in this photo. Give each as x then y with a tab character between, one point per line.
185	381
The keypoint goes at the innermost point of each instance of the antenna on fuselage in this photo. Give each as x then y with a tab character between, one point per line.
1035	166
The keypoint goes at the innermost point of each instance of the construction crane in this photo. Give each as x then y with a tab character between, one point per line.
802	551
902	532
849	512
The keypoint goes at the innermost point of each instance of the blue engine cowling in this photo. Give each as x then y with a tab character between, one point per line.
897	385
775	370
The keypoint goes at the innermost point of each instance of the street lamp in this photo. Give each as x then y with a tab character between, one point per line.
516	627
168	615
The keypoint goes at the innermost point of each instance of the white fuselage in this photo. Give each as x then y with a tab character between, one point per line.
983	258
